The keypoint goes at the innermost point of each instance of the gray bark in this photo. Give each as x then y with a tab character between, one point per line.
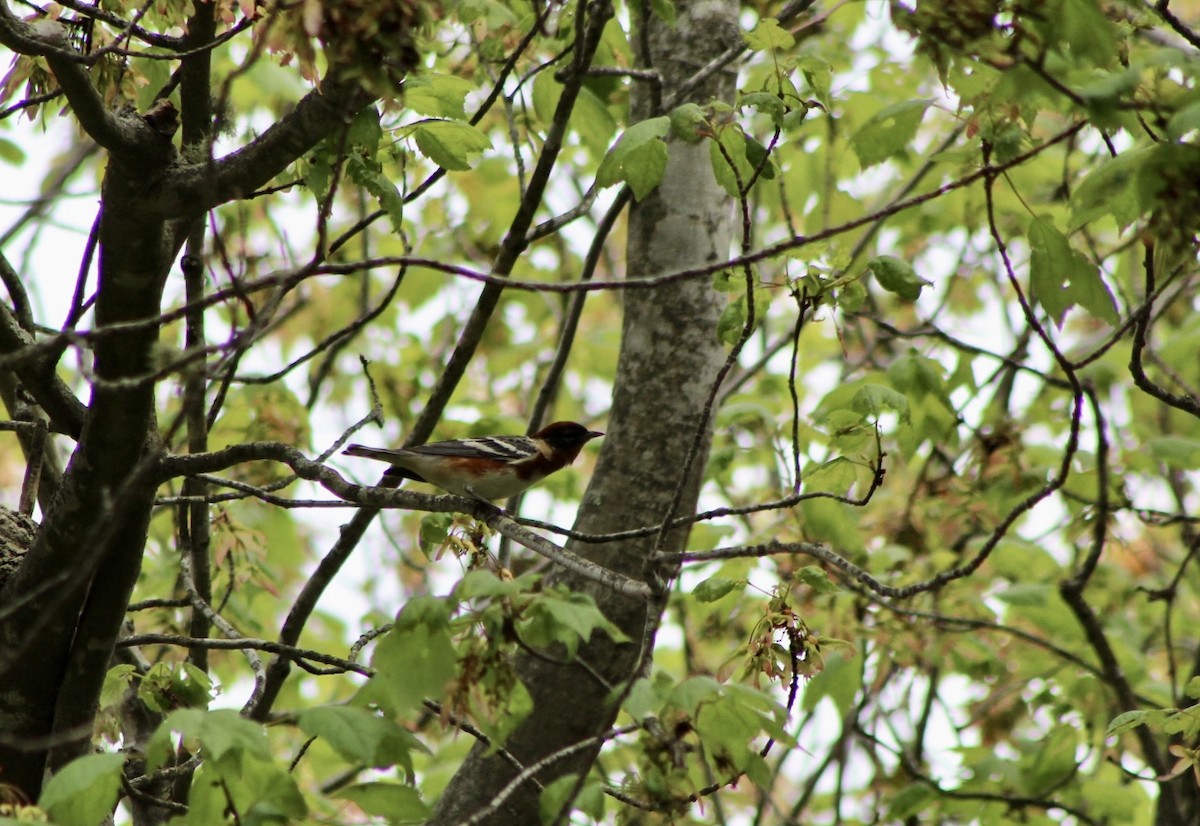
669	360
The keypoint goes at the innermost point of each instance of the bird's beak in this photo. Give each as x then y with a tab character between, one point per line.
592	434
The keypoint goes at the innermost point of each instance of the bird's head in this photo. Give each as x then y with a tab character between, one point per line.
567	437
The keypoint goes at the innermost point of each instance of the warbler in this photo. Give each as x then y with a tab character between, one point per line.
485	467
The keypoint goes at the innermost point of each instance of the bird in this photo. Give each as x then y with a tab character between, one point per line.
485	467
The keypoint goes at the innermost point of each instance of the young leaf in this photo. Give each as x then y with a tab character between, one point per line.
732	321
1175	451
450	144
689	123
84	791
768	103
361	736
817	579
1061	277
888	132
394	802
1192	689
365	132
568	619
644	167
437	95
415	660
713	588
897	276
1108	190
768	35
872	400
639	157
116	683
10	152
434	530
819	76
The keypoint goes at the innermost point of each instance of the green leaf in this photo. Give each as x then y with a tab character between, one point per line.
225	733
438	95
1050	761
434	531
713	588
1192	689
1175	452
648	696
897	276
768	103
1108	190
1026	593
317	174
759	159
729	721
817	579
736	158
1186	119
415	660
1185	722
834	522
664	10
1061	277
819	75
639	157
360	735
484	584
568	618
1104	90
1112	799
369	175
1088	290
10	153
590	117
873	400
732	322
865	399
834	476
688	695
689	122
643	168
728	281
1049	267
365	131
84	791
909	802
450	144
116	682
768	35
918	376
555	797
261	791
1088	31
167	686
393	801
888	132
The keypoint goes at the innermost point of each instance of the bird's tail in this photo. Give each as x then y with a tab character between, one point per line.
380	453
388	455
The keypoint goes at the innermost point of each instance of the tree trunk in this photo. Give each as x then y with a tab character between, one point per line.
669	360
92	537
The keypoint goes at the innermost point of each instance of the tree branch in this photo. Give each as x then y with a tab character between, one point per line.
37	374
201	186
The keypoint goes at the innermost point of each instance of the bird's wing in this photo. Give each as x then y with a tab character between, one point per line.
507	448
